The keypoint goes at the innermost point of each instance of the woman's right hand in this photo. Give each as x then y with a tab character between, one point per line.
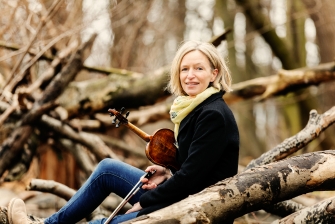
157	178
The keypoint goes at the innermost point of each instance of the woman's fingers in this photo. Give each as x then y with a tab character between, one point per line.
144	180
136	207
149	186
158	169
151	168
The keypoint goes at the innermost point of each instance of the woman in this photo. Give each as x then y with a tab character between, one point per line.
206	134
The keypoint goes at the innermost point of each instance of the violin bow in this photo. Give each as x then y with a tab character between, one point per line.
133	191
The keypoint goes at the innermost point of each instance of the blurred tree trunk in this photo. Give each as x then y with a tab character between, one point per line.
260	22
292	110
244	112
227	16
154	30
280	48
322	14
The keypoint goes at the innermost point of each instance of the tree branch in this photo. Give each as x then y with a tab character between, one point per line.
316	125
282	83
51	186
93	142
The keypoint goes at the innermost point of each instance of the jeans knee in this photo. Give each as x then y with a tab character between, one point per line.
107	164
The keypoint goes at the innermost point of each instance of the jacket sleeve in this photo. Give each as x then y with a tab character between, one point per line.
207	147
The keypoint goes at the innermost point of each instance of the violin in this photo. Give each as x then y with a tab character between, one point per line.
160	149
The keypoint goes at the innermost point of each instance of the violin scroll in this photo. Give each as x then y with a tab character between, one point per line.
118	116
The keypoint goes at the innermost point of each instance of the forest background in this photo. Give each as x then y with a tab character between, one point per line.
136	40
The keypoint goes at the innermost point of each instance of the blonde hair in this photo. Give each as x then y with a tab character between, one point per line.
223	79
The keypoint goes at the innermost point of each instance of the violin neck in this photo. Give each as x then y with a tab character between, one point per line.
138	131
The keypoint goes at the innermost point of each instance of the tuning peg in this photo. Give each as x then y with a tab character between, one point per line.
127	114
122	109
117	125
114	121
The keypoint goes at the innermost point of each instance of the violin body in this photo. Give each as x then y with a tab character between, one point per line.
161	149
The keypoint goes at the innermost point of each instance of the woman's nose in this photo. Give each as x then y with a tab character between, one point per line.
190	74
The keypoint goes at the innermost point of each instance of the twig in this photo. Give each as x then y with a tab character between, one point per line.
20	76
50	71
18	50
102	70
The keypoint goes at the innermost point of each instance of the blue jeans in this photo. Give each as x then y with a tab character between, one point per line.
109	176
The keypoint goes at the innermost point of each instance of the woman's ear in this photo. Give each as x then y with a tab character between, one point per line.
214	74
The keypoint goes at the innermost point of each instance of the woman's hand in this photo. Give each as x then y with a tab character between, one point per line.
136	207
159	177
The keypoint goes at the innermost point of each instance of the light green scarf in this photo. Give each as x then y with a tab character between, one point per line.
183	105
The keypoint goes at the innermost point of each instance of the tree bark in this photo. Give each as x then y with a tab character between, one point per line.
251	190
322	212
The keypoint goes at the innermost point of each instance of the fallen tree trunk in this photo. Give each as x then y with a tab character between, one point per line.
87	97
252	190
138	90
281	83
322	212
316	125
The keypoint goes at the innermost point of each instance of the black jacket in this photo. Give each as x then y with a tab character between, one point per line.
208	152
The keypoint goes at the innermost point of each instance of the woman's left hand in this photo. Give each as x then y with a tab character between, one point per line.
159	177
136	207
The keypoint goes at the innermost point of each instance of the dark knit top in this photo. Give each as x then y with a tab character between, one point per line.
208	152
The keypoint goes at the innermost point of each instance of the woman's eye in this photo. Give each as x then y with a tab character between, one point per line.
184	69
199	68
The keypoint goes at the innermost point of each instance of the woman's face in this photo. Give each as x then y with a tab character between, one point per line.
196	73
